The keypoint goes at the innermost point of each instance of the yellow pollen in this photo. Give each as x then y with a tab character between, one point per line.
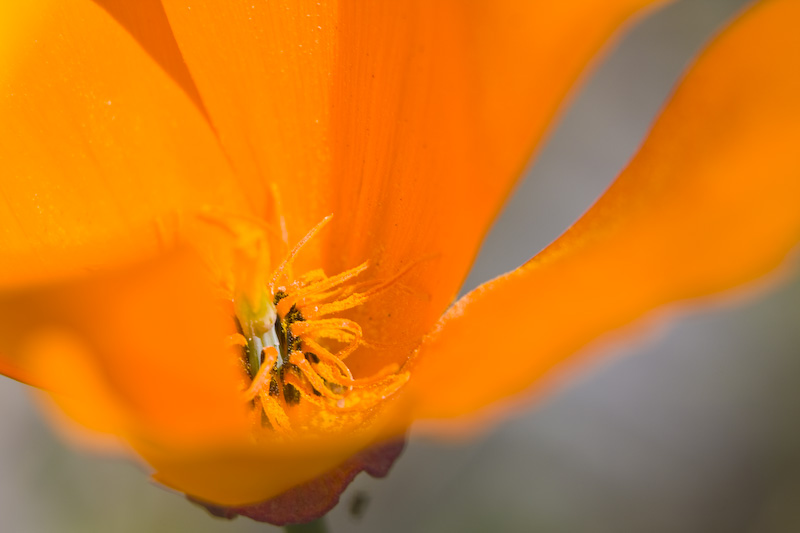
294	346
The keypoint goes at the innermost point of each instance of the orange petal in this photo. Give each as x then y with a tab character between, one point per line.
242	474
710	202
146	21
408	120
139	353
98	143
314	499
245	475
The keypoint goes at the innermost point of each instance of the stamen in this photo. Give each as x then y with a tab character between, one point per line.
296	357
324	285
337	329
290	258
369	397
237	339
290	394
264	376
359	298
312	276
277	417
309	394
311	375
322	354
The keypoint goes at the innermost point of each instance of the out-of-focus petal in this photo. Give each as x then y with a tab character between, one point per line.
311	500
710	202
139	353
406	119
98	144
247	474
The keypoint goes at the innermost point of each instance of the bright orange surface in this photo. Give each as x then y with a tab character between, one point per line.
405	119
166	380
409	121
710	202
104	146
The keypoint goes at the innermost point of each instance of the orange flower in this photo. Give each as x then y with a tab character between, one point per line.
172	277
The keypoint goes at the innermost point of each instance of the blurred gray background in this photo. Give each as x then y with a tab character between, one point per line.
692	432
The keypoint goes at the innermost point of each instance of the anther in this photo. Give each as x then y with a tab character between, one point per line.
295	355
291	394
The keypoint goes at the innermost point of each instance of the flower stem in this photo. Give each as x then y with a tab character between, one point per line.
317	526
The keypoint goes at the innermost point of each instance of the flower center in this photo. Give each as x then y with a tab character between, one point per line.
294	346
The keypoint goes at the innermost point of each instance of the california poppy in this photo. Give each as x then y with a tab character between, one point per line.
173	277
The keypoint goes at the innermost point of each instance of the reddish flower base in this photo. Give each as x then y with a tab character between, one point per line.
314	499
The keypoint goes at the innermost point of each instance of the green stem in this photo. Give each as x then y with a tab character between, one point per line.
317	526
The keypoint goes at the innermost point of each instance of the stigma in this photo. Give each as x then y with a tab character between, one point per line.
294	344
